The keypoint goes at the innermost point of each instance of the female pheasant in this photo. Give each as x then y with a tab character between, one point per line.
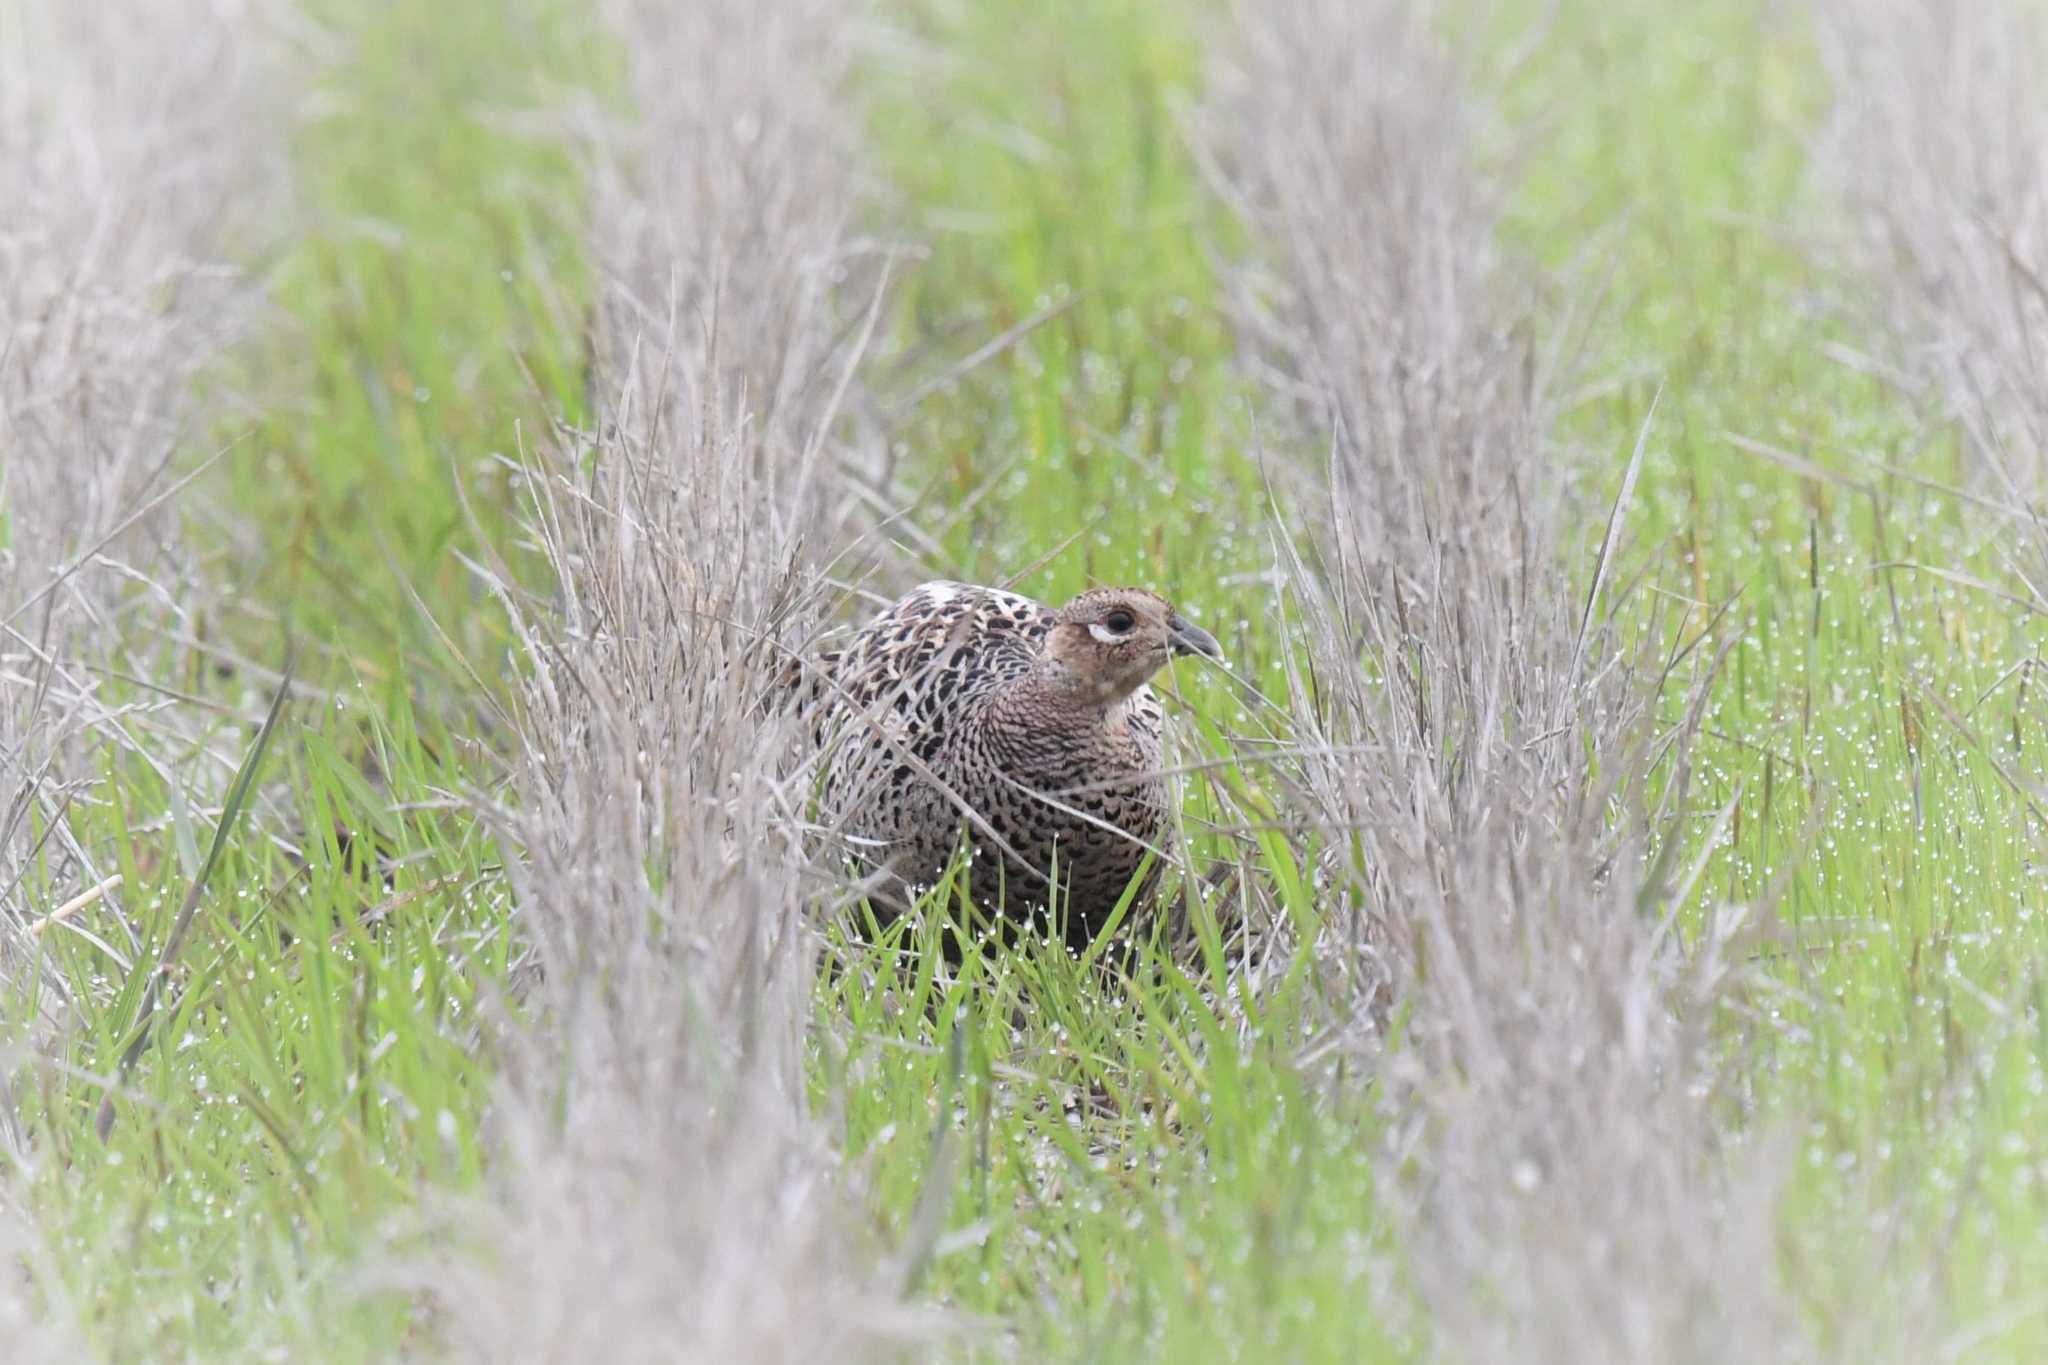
969	709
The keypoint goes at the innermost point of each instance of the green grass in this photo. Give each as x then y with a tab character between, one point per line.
1124	1173
1116	422
1864	714
319	1064
1677	143
1141	1183
323	1064
1131	1176
436	308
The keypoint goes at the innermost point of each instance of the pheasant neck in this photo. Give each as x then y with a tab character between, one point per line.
1051	700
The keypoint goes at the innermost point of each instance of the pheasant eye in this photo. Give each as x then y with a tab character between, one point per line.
1120	622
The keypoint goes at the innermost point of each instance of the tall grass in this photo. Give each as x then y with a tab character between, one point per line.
137	151
1937	146
1933	154
115	296
658	1189
1627	791
1500	795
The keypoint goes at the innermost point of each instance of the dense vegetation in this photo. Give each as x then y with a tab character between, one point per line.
1605	438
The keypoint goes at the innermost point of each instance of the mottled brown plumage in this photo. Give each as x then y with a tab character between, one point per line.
1033	730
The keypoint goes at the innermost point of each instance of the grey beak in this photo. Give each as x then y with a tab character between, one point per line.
1189	638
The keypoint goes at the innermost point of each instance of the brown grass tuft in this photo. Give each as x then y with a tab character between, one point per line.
659	1189
138	146
1938	146
1490	776
130	151
136	149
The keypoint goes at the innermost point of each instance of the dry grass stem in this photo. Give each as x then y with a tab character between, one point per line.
1565	1190
660	1191
139	147
1938	146
113	301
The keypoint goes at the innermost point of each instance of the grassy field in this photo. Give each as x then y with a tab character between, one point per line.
1613	507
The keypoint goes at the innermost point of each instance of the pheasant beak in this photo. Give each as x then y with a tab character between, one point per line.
1185	637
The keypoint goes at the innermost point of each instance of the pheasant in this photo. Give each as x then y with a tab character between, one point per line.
965	708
